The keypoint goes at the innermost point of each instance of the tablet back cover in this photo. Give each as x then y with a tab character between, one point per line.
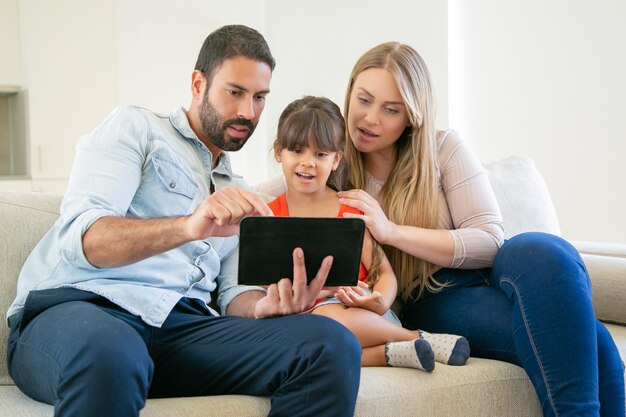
267	244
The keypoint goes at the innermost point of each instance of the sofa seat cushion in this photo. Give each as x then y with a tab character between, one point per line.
481	388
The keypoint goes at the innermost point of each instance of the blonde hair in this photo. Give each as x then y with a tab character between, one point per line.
410	195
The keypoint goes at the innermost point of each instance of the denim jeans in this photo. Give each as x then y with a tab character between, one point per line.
90	357
533	309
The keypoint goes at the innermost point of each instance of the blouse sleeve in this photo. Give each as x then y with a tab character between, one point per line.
476	222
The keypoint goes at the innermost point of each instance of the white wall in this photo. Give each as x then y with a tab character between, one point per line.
68	67
543	79
84	58
316	43
9	44
547	79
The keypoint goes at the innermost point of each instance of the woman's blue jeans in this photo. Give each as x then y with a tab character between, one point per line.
533	309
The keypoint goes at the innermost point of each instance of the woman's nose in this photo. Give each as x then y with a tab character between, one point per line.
372	117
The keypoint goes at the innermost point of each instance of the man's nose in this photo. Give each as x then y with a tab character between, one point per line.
246	109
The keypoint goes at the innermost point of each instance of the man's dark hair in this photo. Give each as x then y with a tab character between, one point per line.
230	41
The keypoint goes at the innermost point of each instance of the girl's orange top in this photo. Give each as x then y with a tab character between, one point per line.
280	208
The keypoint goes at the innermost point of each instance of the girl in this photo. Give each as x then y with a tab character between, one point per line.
310	139
427	199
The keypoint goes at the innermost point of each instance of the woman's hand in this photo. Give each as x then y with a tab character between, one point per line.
375	219
356	297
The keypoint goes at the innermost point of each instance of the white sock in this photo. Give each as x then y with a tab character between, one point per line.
449	349
410	354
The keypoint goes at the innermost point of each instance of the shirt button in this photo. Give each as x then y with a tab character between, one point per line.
172	184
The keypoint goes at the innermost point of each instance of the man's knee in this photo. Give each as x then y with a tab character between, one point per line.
337	348
79	353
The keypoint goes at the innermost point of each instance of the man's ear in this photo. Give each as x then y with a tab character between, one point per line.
338	157
198	84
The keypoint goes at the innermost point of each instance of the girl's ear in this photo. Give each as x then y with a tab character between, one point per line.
338	156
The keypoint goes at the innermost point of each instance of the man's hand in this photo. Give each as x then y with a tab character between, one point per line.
118	241
220	213
287	297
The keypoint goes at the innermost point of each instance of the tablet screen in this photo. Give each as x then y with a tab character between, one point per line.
267	243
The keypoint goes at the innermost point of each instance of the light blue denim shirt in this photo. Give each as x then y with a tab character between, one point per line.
142	165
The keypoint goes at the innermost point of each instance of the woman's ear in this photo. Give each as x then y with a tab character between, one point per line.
338	156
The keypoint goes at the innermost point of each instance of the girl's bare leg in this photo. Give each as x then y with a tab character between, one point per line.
373	330
370	328
373	356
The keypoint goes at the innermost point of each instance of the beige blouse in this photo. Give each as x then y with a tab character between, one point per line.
467	204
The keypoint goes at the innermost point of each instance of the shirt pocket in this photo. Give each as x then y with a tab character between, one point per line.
166	190
173	178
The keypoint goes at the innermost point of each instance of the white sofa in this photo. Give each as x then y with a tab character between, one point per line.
481	388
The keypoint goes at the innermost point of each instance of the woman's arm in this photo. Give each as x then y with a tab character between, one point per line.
434	246
470	222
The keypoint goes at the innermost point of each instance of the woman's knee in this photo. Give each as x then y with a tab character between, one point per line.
550	259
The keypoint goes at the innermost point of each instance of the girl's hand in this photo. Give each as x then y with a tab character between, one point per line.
356	297
375	219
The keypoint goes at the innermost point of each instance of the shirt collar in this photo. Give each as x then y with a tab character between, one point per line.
181	123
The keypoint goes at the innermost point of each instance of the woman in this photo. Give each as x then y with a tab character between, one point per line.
426	198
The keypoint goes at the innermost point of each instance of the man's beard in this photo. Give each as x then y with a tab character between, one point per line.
213	127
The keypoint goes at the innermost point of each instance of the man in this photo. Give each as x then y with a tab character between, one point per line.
113	304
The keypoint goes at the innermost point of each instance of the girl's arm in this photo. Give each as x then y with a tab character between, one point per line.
384	290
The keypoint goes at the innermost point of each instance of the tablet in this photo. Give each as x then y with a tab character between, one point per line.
267	243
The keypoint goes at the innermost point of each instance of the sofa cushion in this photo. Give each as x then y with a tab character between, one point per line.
481	388
523	196
25	218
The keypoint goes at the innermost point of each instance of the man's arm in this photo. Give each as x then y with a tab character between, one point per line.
116	241
119	241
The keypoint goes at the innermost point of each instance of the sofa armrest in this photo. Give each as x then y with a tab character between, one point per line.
606	264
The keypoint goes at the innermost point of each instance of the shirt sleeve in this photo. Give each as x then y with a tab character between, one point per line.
227	287
477	227
105	176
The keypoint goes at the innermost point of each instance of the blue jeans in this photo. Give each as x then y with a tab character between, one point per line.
89	357
533	309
